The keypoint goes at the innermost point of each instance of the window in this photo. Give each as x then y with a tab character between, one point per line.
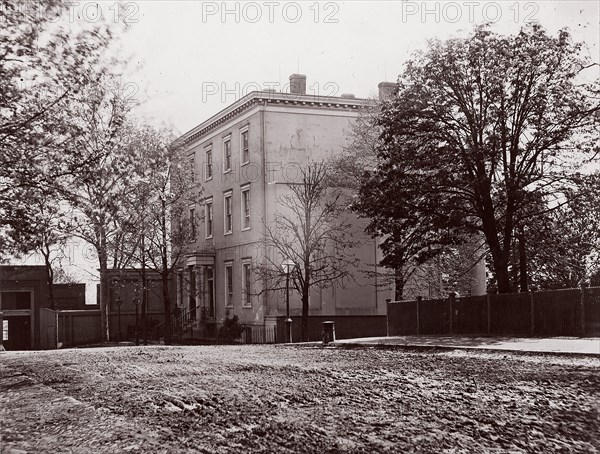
228	218
192	224
209	168
244	148
229	285
209	218
227	154
246	295
245	207
192	161
210	282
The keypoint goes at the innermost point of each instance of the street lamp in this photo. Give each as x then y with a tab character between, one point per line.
118	302
136	301
288	266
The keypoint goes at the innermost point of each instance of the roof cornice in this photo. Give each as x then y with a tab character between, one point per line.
273	98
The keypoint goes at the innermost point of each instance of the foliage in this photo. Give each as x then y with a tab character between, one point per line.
44	62
102	187
231	330
451	271
360	155
480	131
163	190
62	276
51	227
406	265
310	229
564	246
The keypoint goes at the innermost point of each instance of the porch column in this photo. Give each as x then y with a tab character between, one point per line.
179	287
199	297
191	289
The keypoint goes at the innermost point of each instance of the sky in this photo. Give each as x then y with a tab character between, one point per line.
190	59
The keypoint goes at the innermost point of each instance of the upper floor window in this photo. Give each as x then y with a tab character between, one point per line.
227	213
209	218
244	147
209	163
192	161
246	207
192	224
227	154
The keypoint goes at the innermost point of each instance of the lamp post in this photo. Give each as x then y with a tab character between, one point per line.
288	266
118	302
136	301
137	329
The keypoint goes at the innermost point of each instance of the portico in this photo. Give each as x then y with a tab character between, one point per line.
200	292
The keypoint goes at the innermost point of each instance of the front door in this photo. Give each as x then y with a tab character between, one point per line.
210	292
16	332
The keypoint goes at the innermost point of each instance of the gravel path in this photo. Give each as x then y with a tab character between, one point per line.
293	399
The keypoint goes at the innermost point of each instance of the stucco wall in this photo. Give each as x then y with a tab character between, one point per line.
282	139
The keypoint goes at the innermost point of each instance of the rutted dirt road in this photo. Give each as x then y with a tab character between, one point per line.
296	399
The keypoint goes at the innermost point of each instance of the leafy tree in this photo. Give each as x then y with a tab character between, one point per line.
348	168
44	61
309	228
100	190
52	227
480	130
63	276
407	262
563	246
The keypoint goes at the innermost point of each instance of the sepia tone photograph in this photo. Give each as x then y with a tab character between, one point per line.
299	226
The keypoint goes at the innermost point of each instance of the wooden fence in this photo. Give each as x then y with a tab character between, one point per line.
568	312
69	328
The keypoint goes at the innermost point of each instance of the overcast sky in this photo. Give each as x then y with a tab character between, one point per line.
197	57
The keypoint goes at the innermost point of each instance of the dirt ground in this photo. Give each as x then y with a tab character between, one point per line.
296	399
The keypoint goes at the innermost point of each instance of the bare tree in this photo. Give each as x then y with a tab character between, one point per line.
310	229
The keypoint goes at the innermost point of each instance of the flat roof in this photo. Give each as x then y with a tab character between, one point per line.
272	97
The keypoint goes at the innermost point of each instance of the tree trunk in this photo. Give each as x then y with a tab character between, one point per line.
500	259
49	278
523	277
167	304
502	275
104	289
399	284
500	255
144	293
514	257
305	293
165	273
500	263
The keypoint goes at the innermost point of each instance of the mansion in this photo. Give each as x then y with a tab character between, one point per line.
245	157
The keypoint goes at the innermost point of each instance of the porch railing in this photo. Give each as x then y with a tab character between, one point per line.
179	323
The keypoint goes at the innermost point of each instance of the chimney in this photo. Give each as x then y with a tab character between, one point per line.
348	95
386	90
298	84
